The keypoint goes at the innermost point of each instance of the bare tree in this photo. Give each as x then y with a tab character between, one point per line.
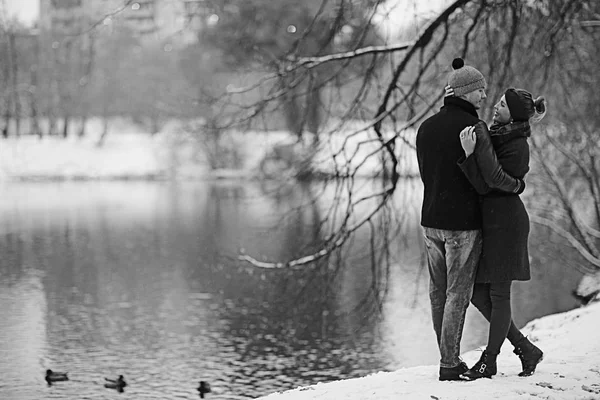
380	132
513	42
568	152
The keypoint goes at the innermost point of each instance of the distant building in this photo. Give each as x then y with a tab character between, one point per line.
64	16
153	20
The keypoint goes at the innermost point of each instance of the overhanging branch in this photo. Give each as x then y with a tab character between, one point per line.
311	62
295	63
572	240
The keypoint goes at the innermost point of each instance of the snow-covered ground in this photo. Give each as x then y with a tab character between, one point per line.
130	152
570	370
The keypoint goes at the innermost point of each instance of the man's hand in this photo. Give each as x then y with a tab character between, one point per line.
468	138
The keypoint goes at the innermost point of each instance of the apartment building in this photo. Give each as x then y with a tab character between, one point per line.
151	20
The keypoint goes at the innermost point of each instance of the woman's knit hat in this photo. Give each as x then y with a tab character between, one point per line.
520	104
464	78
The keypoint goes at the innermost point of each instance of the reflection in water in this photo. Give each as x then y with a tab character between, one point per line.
22	331
140	279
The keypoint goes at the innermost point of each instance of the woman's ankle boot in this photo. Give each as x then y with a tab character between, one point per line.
530	356
484	368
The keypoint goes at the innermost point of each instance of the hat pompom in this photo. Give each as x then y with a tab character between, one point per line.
458	63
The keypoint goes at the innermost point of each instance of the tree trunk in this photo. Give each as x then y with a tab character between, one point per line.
67	120
314	112
66	88
51	123
87	75
82	129
291	108
105	123
8	97
12	56
35	123
104	132
34	90
293	114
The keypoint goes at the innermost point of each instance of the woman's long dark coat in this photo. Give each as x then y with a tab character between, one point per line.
505	229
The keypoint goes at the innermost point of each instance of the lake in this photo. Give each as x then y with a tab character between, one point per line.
141	279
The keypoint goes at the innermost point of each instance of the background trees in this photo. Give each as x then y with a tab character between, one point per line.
546	47
323	70
269	37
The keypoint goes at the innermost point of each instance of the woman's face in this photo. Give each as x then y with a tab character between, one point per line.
501	112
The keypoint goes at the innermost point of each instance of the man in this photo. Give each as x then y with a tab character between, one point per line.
450	215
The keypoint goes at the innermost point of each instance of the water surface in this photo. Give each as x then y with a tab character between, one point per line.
140	279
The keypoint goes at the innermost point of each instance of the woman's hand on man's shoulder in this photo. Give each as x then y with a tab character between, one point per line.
468	139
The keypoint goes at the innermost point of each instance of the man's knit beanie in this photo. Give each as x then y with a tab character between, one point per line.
464	78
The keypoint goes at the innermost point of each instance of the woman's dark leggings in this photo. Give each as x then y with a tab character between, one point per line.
493	301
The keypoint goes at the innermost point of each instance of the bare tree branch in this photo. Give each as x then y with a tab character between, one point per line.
563	197
101	20
572	240
312	62
421	42
295	63
590	24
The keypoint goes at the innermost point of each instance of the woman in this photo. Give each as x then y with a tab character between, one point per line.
505	223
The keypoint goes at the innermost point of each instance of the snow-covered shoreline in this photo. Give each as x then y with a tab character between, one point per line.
570	370
129	152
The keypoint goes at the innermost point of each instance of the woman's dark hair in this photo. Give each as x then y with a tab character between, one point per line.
523	107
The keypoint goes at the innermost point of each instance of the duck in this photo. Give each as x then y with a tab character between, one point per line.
53	376
203	388
118	383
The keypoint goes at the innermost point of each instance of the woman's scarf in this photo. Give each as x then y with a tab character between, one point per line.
507	132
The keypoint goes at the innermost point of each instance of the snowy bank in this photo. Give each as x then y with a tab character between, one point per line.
129	151
570	370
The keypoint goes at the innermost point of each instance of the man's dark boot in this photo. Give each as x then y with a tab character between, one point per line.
530	356
484	368
454	373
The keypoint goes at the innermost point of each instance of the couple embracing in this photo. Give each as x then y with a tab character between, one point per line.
474	223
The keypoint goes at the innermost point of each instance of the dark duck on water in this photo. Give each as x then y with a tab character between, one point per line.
52	376
117	384
203	389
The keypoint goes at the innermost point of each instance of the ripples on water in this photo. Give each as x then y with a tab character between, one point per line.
107	279
163	349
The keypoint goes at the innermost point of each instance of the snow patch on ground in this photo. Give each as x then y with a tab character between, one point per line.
182	151
570	370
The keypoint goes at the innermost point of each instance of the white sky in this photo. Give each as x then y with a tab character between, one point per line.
25	10
398	13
